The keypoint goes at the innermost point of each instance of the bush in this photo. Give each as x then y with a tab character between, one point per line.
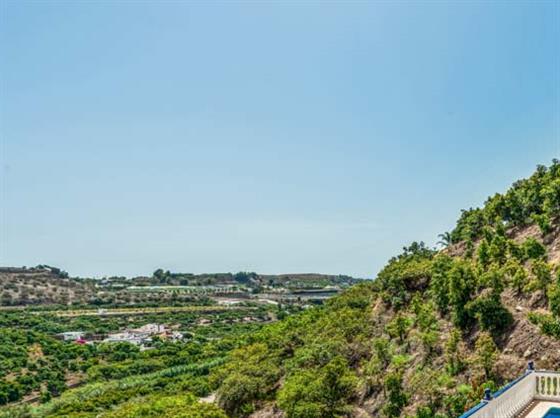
490	313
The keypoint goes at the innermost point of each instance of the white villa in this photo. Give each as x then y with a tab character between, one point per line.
535	394
144	334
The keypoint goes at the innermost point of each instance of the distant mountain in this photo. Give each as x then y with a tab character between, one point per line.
44	285
250	279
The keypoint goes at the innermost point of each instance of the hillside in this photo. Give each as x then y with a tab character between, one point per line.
41	285
422	340
430	333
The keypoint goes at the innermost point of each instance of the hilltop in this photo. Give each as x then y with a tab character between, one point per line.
42	285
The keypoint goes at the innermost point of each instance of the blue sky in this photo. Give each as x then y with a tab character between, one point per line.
271	137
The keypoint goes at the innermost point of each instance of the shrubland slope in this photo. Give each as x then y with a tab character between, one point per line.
426	337
42	285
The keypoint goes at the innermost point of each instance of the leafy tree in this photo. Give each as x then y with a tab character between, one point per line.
382	351
249	376
497	250
453	355
461	288
456	403
516	275
483	253
486	353
554	296
439	285
541	276
543	221
533	249
396	396
445	239
323	392
490	313
429	340
399	327
408	272
157	406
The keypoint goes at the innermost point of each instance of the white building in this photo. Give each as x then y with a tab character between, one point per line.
71	335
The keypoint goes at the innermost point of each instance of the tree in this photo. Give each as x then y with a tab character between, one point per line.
380	360
158	406
517	276
323	392
338	386
453	355
554	297
249	375
445	239
382	351
439	285
486	353
543	221
429	339
461	287
399	327
498	249
396	397
427	384
490	313
533	249
542	275
483	253
159	275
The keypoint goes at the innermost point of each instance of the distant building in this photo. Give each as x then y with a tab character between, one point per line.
71	335
150	329
143	334
176	336
127	337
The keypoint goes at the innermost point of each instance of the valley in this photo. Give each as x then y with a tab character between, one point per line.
436	331
61	333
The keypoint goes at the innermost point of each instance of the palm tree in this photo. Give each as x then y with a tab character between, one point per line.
444	239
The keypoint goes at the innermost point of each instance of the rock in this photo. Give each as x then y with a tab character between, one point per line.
528	353
519	308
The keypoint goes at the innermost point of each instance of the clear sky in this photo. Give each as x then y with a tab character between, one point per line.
270	137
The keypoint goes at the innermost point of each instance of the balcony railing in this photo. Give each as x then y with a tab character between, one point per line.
513	398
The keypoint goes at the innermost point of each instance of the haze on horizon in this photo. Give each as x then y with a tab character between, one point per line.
269	137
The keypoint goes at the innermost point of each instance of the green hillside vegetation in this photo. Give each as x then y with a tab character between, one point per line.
423	340
34	365
426	337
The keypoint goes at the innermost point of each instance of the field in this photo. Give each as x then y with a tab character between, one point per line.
45	376
146	310
79	347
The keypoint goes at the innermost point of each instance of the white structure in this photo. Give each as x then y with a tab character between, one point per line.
150	329
140	335
125	337
71	335
512	400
